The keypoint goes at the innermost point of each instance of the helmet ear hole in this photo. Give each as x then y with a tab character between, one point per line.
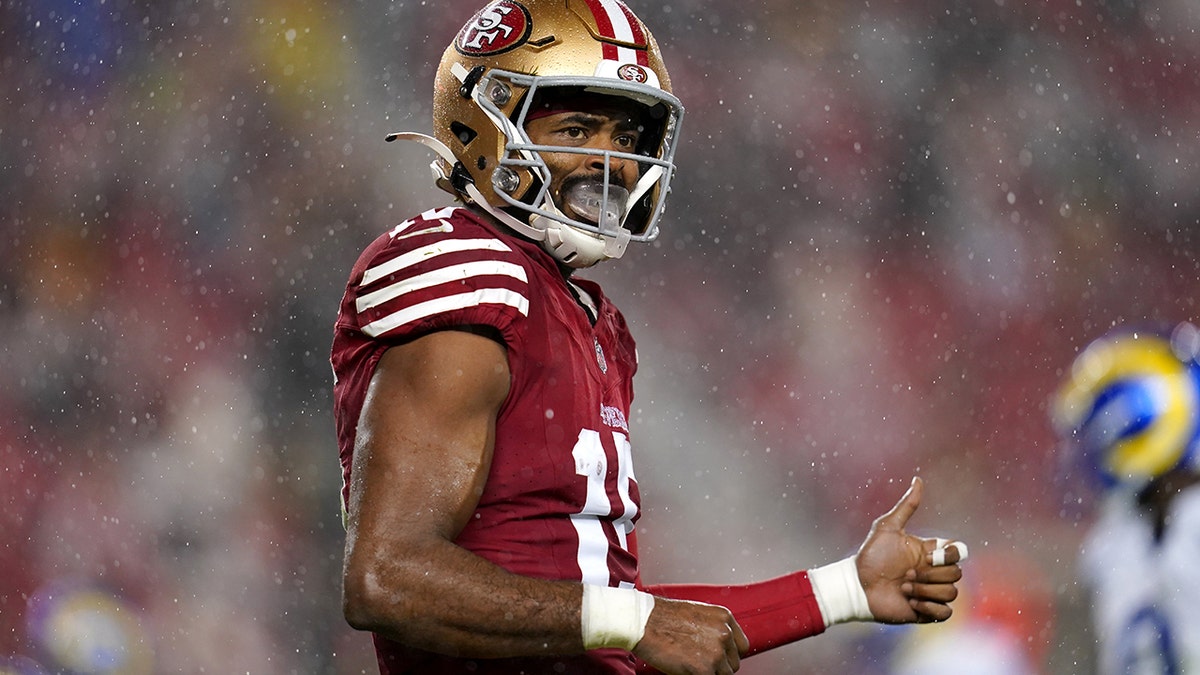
463	133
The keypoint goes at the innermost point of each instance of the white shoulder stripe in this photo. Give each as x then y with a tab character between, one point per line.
483	296
426	252
474	268
432	215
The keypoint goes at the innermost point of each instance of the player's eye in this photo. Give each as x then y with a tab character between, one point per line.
627	141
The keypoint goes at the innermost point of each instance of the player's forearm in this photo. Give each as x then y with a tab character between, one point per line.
442	598
771	613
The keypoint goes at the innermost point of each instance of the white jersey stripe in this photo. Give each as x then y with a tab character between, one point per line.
426	252
449	303
475	268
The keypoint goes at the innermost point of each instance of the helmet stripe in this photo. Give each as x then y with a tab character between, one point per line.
615	21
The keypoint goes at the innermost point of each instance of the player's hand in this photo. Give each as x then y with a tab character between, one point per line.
692	638
897	570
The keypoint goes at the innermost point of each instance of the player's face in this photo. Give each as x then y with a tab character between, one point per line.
617	128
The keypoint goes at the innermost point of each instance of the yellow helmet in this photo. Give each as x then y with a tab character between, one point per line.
1129	409
512	50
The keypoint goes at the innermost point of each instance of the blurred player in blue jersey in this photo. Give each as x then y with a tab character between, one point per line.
1129	415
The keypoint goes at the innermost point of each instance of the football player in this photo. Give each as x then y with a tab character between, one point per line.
1129	417
483	391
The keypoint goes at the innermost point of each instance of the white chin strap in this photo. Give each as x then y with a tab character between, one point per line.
570	246
576	248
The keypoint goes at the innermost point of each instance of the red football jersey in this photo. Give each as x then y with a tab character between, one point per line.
561	496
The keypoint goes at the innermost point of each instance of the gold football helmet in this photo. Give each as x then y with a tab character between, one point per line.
513	51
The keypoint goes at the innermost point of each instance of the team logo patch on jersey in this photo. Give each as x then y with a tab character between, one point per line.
633	73
497	28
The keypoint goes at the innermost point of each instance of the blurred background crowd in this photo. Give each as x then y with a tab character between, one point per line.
894	225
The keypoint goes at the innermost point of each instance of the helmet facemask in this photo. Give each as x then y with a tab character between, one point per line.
608	213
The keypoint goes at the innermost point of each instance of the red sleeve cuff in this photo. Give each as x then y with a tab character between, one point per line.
771	613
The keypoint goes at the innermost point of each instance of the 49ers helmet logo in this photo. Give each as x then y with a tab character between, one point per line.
632	72
495	29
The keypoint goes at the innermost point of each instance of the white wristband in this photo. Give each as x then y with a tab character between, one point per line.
839	594
614	617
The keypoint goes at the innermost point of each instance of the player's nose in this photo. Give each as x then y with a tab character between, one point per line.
604	161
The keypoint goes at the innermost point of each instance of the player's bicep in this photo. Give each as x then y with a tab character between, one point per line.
425	437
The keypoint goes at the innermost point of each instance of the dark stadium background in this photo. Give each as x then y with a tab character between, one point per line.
893	226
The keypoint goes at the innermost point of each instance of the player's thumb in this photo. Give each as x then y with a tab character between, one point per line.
898	517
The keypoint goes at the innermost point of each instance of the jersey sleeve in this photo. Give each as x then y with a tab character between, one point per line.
437	271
